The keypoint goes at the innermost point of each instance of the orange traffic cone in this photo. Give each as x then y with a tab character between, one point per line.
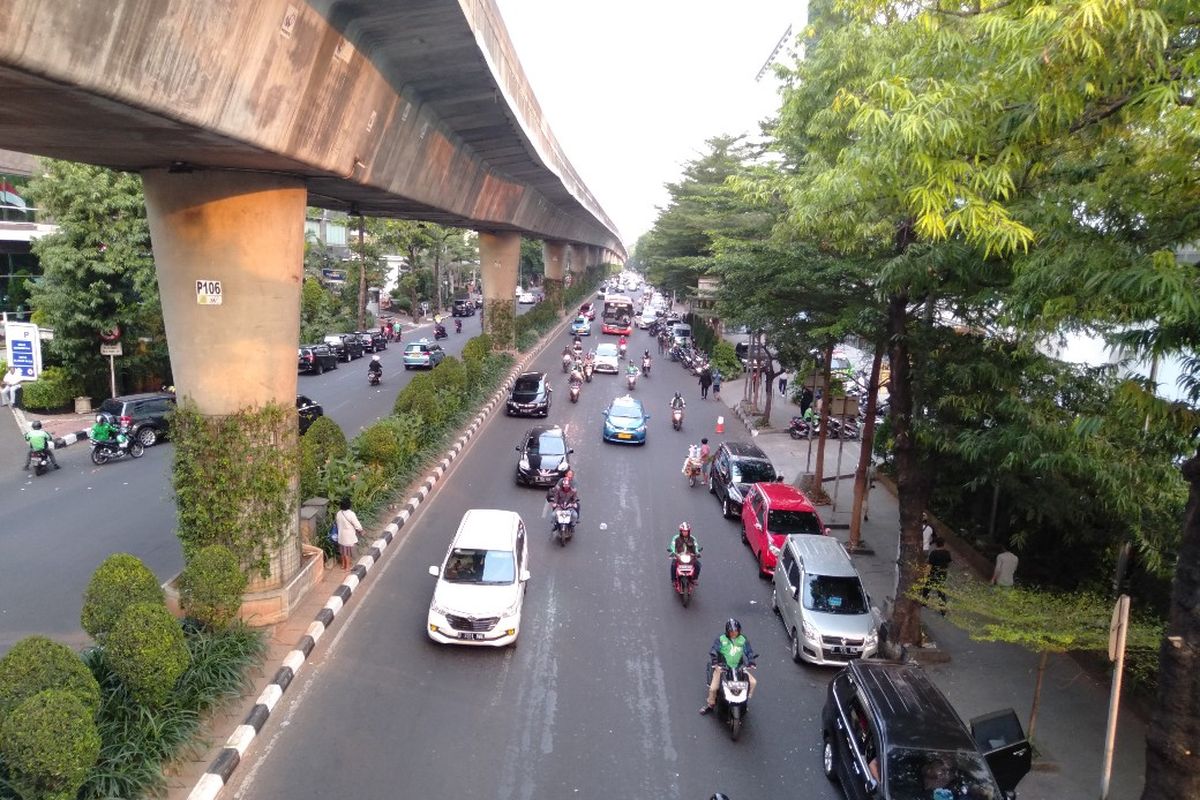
720	424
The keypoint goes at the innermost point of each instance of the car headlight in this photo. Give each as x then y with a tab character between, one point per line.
511	610
436	609
524	463
810	632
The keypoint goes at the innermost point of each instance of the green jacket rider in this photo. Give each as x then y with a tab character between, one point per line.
39	441
103	430
685	540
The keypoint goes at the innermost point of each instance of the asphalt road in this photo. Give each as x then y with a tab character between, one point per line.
58	527
600	697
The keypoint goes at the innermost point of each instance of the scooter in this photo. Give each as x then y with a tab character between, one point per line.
373	378
40	461
567	361
573	392
564	529
677	418
685	571
114	450
801	429
646	366
621	350
733	699
630	380
439	332
588	369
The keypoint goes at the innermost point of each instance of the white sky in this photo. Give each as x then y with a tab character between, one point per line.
633	88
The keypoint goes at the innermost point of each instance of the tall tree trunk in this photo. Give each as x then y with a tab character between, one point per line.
362	275
864	455
1173	739
819	471
912	483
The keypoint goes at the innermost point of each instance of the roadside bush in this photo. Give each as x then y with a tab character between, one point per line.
420	397
390	443
451	375
211	586
526	340
55	389
36	664
323	441
119	581
147	650
724	358
49	744
367	485
477	348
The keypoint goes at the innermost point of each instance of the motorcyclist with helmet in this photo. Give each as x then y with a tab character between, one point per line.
677	402
104	431
375	367
684	542
564	495
646	361
731	649
39	441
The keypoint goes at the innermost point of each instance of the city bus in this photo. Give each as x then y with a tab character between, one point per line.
617	318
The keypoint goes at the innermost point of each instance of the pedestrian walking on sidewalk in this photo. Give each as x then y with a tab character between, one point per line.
705	458
716	384
705	382
348	528
783	385
926	534
1006	569
12	384
939	567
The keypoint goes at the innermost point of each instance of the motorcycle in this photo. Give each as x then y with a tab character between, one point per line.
621	348
40	461
457	325
373	378
573	392
567	361
564	528
630	380
439	332
685	570
114	450
587	371
691	468
677	418
646	367
733	699
799	428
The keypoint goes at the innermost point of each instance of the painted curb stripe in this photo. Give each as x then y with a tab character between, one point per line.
210	785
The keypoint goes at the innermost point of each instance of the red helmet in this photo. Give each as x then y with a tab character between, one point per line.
685	529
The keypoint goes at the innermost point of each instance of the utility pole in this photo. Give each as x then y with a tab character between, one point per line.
362	274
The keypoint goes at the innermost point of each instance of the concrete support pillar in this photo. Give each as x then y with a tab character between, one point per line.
245	230
554	254
499	265
578	262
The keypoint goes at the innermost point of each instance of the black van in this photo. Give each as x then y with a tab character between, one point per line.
889	732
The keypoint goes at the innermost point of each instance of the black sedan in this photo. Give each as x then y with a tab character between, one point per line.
545	456
530	396
308	411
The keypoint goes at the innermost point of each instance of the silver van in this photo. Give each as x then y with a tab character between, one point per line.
820	598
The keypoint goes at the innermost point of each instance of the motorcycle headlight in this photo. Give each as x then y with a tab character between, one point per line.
810	632
524	463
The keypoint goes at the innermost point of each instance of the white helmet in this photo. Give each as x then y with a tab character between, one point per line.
375	358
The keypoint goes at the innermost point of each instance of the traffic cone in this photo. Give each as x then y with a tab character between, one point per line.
720	424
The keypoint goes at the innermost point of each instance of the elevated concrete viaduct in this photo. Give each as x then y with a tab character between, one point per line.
239	112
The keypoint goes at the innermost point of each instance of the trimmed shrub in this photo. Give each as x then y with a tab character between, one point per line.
119	581
36	664
54	389
477	348
367	485
526	340
49	744
724	358
451	375
146	649
420	397
323	441
211	586
390	443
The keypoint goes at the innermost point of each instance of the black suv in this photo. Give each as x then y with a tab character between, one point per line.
145	414
888	733
316	358
736	465
530	396
545	456
463	307
308	411
346	346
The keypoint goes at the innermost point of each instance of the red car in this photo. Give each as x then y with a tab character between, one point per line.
588	310
771	511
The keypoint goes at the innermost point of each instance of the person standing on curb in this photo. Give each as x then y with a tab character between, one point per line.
939	567
348	528
12	382
1006	568
705	382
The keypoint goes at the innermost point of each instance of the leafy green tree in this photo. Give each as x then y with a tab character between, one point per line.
98	273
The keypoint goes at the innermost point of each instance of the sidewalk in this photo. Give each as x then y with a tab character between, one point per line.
978	677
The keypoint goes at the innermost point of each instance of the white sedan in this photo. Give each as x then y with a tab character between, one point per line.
526	298
608	358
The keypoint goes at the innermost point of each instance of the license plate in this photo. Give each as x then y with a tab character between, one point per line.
685	570
474	637
624	435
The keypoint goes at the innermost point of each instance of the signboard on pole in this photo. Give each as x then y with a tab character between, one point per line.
23	350
110	349
843	406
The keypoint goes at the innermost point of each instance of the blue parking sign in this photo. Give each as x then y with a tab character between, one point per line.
24	348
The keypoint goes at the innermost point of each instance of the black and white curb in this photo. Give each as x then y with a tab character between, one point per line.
222	767
59	441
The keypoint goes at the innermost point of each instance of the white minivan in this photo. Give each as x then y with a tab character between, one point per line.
481	583
821	600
